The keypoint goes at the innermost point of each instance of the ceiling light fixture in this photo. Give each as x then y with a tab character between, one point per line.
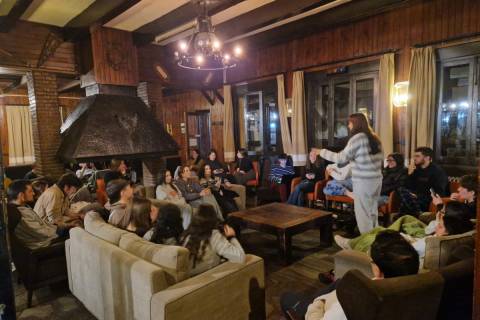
203	51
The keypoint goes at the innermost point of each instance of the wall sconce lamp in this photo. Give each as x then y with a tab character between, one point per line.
288	102
400	95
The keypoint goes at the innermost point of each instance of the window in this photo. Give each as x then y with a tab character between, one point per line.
336	97
20	137
458	116
257	125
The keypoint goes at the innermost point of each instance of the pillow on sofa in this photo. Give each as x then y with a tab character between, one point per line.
174	260
96	226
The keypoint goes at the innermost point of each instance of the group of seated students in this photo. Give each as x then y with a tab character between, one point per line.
191	208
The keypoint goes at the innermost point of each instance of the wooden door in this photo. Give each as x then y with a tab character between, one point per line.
198	132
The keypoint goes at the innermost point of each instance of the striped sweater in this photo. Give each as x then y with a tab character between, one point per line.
357	152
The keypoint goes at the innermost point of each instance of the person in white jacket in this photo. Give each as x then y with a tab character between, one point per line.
364	152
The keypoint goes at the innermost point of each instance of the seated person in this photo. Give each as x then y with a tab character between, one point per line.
168	227
278	174
225	198
392	256
39	186
33	231
219	169
167	190
342	180
139	210
314	171
394	176
424	175
85	171
454	221
52	206
193	192
119	194
195	162
244	168
140	191
466	193
207	244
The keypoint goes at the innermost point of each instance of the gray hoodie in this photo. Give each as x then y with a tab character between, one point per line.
119	216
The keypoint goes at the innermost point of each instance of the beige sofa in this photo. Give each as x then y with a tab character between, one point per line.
438	251
118	275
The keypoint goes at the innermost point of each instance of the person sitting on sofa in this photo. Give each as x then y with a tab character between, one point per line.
455	220
392	256
244	169
209	242
52	206
314	171
394	176
219	169
278	174
193	192
225	197
33	231
168	227
139	210
168	191
341	184
195	162
119	192
466	193
424	175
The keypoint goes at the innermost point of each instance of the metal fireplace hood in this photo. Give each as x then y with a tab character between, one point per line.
105	126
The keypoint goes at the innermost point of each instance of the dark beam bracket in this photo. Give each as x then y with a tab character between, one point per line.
50	45
8	21
207	97
218	96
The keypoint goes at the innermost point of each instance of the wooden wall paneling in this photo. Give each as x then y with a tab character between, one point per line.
115	57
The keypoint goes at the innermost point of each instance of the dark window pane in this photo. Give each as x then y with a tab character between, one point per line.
341	111
365	98
455	110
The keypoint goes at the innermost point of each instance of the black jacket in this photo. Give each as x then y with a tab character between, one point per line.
433	176
392	179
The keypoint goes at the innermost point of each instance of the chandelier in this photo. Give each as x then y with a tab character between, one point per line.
203	51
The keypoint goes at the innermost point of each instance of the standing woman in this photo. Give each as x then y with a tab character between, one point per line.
364	152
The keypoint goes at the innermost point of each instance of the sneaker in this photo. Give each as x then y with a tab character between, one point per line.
342	242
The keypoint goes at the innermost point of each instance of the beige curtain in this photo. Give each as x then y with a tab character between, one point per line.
283	115
421	105
241	121
384	112
20	138
299	138
228	142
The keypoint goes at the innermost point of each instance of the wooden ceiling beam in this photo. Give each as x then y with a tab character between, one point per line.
18	82
8	21
69	85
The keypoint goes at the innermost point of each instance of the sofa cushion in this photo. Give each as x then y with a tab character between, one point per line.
439	249
96	226
174	260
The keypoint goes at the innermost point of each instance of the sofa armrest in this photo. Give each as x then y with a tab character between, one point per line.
228	291
439	249
346	260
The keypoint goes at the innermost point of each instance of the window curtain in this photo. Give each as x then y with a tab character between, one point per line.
283	114
20	137
299	138
228	142
421	105
241	122
384	112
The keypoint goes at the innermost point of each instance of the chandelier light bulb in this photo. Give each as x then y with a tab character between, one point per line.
226	57
237	51
199	59
183	46
216	44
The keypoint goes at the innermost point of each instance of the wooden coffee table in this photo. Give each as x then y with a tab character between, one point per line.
285	221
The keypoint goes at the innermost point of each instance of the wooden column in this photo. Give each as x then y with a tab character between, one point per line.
45	113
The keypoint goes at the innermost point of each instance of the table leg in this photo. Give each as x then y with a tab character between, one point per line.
285	242
325	225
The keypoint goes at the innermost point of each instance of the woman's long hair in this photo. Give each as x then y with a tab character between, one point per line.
317	164
139	211
201	173
360	125
200	231
168	224
162	174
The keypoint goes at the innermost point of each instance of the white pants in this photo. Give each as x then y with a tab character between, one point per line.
366	193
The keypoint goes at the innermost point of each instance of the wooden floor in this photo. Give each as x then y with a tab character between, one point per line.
309	259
